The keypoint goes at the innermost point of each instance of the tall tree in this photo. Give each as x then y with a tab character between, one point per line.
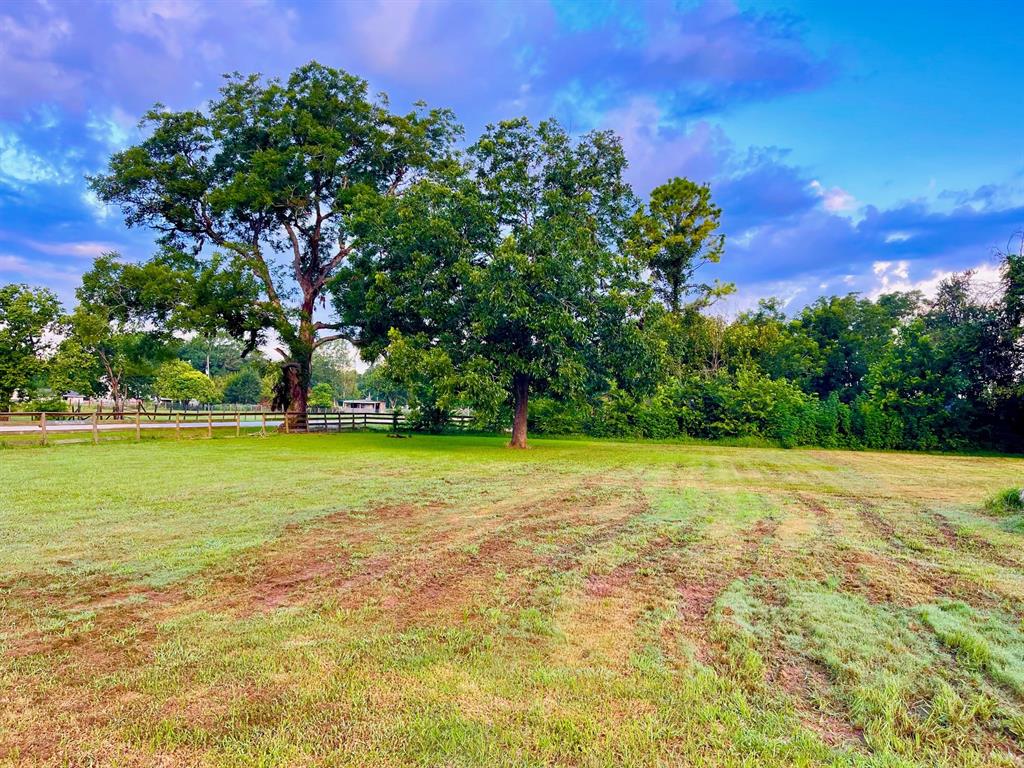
243	387
676	235
121	323
508	273
28	318
561	207
271	175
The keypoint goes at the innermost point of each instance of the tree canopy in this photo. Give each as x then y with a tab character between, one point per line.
507	273
120	323
29	318
179	382
258	194
675	235
520	277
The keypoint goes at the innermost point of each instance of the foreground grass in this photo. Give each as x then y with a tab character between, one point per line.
355	600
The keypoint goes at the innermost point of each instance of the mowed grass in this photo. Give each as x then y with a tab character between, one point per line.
354	600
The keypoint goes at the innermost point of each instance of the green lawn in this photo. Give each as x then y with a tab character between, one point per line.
353	600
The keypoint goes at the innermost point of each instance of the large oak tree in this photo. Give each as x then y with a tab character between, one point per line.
267	180
510	276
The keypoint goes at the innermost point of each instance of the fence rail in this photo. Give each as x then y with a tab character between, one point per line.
53	425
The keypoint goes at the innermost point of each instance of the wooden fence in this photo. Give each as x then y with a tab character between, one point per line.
48	426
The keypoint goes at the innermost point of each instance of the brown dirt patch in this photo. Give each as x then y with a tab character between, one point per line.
808	687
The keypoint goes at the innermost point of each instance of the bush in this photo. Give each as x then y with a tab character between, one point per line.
655	417
879	427
551	417
322	396
243	387
180	382
48	404
1009	501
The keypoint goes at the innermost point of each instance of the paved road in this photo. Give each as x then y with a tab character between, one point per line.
27	428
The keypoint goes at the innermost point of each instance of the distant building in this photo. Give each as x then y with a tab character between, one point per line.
363	406
74	399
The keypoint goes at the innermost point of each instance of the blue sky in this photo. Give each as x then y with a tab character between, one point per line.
853	146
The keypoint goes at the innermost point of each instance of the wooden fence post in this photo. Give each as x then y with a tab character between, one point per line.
238	424
286	422
263	419
42	426
95	428
138	422
177	426
209	424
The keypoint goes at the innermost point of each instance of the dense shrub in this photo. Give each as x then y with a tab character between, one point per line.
552	417
1009	501
243	387
48	404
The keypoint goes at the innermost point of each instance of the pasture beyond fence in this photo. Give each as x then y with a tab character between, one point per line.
53	426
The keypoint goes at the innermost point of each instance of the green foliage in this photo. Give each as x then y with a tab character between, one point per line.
507	278
218	355
27	315
48	404
436	386
554	417
1009	501
892	373
376	384
243	387
75	368
120	323
322	396
180	382
276	176
525	266
674	237
332	365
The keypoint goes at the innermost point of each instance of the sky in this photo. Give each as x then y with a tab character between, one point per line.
866	146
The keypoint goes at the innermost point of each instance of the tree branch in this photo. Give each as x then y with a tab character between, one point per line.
300	276
252	253
327	339
330	266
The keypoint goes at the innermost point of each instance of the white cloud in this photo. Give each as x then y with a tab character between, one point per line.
658	150
84	249
20	269
21	166
895	276
172	22
100	211
897	237
834	199
114	130
744	238
389	28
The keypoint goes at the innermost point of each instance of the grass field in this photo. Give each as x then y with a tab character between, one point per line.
353	600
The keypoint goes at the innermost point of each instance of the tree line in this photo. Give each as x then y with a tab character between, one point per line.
518	275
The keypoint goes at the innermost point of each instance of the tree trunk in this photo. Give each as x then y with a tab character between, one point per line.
520	399
297	393
116	394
